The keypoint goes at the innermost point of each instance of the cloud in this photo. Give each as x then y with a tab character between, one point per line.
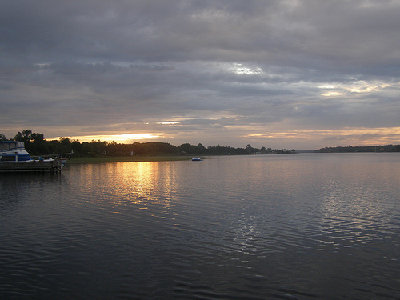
216	67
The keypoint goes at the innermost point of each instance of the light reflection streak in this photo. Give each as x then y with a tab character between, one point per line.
143	184
140	180
351	209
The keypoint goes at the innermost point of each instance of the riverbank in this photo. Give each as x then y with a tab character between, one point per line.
136	158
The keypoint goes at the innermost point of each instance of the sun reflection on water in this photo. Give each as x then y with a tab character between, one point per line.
143	184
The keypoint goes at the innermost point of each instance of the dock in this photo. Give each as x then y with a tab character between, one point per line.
54	166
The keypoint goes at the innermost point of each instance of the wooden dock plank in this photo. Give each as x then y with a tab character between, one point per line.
33	166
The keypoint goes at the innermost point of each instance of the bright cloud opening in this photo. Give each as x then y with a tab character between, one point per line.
168	123
119	138
358	87
242	69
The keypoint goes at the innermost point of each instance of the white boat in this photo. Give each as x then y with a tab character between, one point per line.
196	159
14	157
13	151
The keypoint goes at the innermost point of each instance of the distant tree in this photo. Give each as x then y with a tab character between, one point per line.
76	148
37	137
2	137
200	148
24	136
66	145
250	149
185	148
387	148
37	144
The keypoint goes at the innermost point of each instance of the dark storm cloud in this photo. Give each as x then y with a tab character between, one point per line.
212	64
314	33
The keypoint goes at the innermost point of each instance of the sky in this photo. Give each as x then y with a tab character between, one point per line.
282	74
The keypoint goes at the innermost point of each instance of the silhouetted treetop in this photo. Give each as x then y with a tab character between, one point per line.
36	144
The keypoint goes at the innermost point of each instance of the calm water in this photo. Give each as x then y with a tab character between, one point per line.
243	227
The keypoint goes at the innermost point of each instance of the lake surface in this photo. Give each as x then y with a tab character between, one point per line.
323	226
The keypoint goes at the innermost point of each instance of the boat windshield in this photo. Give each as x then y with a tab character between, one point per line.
8	145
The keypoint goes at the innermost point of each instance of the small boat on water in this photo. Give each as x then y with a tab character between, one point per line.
14	157
196	159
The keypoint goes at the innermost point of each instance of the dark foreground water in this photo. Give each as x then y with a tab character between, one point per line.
323	226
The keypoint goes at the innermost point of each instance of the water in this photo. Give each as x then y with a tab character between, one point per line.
241	227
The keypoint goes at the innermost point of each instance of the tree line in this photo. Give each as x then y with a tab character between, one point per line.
36	144
346	149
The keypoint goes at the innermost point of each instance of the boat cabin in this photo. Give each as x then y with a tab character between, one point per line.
13	151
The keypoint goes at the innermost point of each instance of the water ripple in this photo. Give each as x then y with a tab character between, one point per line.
253	227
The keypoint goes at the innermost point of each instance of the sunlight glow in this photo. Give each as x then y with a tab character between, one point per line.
332	94
358	87
119	138
359	136
168	123
241	69
326	87
365	87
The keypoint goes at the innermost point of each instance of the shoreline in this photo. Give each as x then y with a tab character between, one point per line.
138	158
147	158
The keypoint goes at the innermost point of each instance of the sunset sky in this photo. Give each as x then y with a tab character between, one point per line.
283	74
